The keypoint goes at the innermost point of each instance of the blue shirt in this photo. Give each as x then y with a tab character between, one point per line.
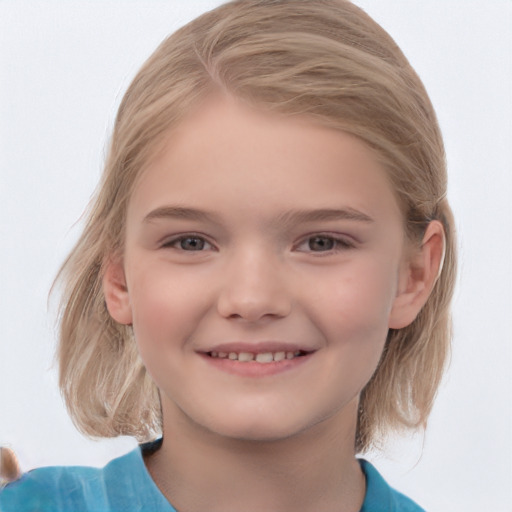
124	484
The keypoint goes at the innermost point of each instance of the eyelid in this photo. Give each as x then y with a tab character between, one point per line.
169	242
342	242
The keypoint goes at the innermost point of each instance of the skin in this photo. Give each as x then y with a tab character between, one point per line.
9	467
250	272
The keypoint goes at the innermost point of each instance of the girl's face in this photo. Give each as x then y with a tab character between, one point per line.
263	266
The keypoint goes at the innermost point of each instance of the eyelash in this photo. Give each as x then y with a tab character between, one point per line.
172	244
339	244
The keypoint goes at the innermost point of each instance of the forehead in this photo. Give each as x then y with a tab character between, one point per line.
229	156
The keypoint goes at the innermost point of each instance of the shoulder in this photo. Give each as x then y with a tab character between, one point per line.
122	485
380	497
53	489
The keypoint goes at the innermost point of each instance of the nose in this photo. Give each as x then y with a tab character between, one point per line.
253	288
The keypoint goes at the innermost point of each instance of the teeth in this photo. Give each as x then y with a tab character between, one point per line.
262	357
279	356
265	357
245	356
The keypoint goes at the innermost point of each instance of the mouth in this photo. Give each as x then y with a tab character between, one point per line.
258	357
256	360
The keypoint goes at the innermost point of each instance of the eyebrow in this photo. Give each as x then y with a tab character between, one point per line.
286	218
180	212
322	214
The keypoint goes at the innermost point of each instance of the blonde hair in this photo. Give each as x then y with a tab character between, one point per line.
324	59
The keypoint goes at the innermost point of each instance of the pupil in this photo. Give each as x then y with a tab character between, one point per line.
192	244
319	243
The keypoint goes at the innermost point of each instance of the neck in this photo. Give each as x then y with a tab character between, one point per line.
316	470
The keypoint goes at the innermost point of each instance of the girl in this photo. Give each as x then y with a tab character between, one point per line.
264	278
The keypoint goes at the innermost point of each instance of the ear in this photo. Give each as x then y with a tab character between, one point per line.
116	291
418	277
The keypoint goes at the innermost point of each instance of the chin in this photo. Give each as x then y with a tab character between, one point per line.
260	429
258	434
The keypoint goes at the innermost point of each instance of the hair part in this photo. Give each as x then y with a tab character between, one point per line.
328	61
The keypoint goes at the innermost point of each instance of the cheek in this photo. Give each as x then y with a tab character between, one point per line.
354	321
359	297
166	306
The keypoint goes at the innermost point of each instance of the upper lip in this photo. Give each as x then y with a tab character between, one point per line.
259	347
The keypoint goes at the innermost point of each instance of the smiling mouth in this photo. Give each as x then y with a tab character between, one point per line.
260	357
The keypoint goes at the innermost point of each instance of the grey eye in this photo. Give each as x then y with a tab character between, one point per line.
192	243
321	243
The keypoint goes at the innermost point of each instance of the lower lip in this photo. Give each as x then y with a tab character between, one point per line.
254	369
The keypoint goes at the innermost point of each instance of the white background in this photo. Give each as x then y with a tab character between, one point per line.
64	66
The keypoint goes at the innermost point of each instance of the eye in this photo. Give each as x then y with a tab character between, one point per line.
321	243
324	243
188	243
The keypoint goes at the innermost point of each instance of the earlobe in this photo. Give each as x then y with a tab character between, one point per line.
418	277
115	291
